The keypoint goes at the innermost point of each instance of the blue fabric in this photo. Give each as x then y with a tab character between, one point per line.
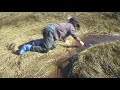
36	42
50	27
25	48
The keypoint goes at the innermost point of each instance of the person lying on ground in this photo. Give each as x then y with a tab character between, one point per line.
54	32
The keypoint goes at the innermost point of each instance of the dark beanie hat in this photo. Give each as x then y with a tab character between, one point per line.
74	21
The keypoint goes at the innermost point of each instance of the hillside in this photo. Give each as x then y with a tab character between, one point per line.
17	28
99	61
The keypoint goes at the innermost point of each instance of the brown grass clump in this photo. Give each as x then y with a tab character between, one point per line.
99	61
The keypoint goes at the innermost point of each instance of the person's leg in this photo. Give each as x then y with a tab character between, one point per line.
49	42
44	47
53	46
48	35
24	48
28	47
39	49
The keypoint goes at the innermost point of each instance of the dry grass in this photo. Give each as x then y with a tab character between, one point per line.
99	61
21	27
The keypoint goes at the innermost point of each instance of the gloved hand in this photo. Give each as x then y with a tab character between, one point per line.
25	48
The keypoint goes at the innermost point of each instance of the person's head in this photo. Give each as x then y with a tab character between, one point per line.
74	21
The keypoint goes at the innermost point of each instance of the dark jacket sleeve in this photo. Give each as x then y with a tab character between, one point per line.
73	33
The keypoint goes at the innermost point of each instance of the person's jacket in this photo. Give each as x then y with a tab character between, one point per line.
63	30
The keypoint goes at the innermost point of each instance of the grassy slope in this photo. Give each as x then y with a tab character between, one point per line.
99	61
24	26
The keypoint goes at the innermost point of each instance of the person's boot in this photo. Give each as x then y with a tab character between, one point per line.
25	48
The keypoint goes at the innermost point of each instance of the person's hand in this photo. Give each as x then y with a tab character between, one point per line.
82	43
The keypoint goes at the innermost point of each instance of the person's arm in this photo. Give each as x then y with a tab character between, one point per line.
75	36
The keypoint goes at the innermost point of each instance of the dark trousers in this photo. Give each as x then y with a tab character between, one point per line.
48	42
45	46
